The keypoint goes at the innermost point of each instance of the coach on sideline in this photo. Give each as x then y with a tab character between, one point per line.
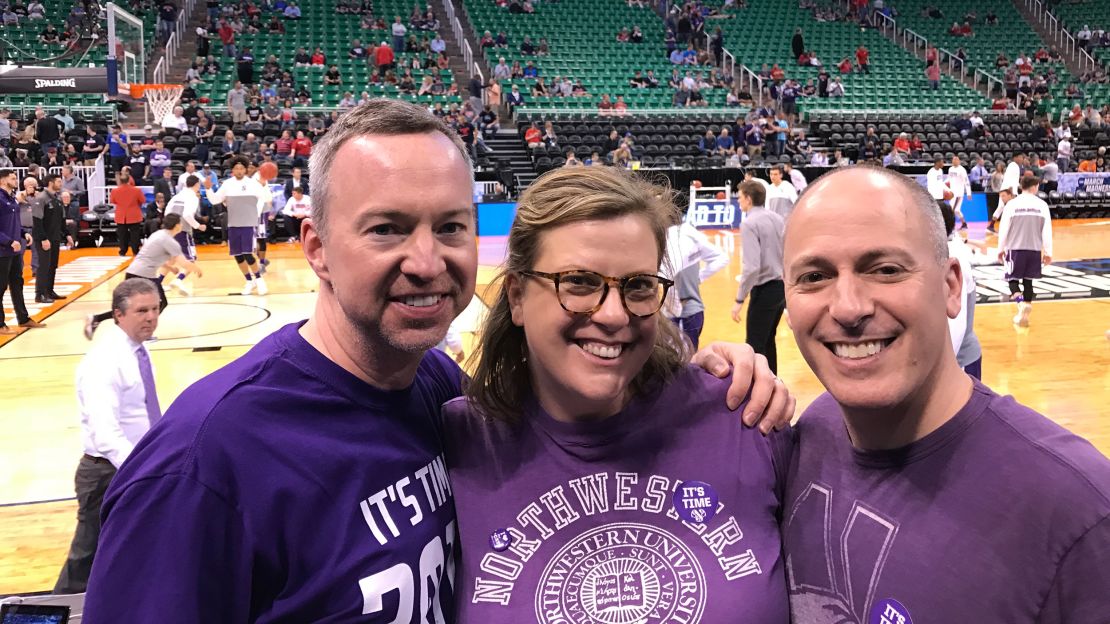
304	482
916	493
118	404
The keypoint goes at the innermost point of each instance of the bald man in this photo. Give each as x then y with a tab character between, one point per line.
917	494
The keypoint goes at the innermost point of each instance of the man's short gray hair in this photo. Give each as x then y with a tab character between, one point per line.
375	117
919	195
128	288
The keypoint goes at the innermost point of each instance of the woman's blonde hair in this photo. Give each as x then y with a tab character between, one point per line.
501	382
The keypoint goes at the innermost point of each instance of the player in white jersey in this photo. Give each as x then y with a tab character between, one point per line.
186	203
1024	244
781	195
245	200
1011	181
960	186
935	180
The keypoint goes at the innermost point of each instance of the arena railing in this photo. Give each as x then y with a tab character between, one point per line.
24	110
637	114
91	175
1061	37
991	81
162	67
751	79
908	112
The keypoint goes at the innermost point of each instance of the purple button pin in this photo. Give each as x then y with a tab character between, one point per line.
500	540
695	501
889	611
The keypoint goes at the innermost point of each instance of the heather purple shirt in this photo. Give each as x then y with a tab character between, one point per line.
1000	515
281	488
589	507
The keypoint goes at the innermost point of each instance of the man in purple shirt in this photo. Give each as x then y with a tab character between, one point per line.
305	481
12	244
916	494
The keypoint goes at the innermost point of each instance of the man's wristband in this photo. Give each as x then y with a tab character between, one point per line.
740	301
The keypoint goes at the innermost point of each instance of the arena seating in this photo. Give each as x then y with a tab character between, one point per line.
582	35
25	35
320	26
1094	13
1011	36
1008	135
665	142
761	34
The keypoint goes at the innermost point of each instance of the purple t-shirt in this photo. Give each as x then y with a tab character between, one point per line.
575	523
1000	515
281	488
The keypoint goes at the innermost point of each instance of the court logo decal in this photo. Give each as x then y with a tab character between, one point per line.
622	573
1077	279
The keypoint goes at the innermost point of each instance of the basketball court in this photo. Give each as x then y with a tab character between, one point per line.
1059	366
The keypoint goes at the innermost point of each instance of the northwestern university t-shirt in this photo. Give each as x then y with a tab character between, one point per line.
281	488
576	523
998	516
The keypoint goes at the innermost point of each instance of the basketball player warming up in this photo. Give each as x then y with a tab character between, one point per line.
244	200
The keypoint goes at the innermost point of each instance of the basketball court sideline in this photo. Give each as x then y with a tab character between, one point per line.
1059	366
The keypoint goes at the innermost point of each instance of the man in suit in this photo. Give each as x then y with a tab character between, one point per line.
294	182
165	184
48	230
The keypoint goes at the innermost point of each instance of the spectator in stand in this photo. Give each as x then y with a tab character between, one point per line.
515	97
863	59
292	11
932	74
398	30
725	143
302	149
531	71
1083	37
94	145
527	48
797	43
836	88
332	77
384	58
1063	154
297	208
845	66
605	106
707	145
237	103
533	137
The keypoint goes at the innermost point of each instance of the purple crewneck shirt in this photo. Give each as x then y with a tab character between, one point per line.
575	523
998	516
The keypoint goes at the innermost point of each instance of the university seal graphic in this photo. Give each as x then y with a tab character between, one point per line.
621	573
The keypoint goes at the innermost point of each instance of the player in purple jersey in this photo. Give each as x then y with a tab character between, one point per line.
304	482
916	494
599	478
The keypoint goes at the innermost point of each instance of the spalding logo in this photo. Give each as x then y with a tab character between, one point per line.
57	82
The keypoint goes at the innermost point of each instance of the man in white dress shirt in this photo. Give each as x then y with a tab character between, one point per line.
118	405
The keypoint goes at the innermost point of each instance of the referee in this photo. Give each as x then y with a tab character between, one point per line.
761	237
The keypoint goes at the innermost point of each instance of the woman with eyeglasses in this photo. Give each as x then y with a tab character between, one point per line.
597	476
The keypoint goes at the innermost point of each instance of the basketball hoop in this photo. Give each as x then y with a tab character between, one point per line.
160	97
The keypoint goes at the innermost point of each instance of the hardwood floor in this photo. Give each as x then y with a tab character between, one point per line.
1059	366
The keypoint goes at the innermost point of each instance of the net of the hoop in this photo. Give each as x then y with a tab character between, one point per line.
162	100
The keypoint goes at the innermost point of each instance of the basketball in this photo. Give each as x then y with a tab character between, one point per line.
948	194
720	194
696	184
267	171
